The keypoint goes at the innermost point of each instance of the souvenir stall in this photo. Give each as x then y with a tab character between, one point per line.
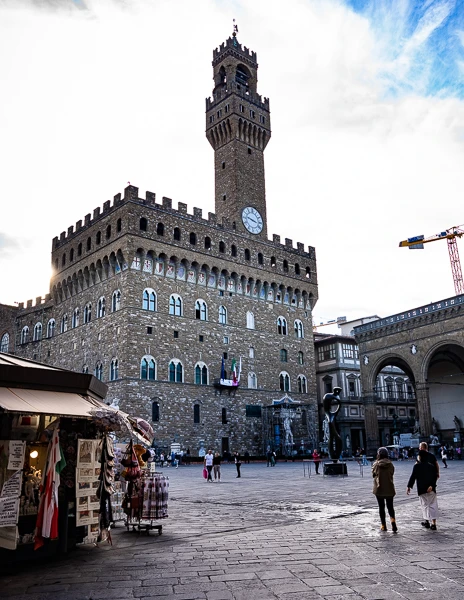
56	458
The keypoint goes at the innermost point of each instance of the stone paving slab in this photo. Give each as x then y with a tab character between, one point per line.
271	534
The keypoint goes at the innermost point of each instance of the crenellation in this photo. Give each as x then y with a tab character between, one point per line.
300	247
182	208
87	220
78	225
288	243
106	206
55	243
70	230
62	236
150	198
167	203
131	192
38	301
212	218
197	212
96	213
276	238
117	199
29	304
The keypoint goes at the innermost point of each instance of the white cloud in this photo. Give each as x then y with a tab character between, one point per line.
103	96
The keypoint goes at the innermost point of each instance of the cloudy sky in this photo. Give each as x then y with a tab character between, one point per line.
367	109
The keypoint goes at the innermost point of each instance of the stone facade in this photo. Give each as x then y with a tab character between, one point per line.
151	299
427	344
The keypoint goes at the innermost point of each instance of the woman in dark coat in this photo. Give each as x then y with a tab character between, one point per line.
384	488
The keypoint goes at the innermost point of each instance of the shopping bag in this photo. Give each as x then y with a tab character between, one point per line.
205	473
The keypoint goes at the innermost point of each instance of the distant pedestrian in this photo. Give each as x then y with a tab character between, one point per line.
208	462
238	463
444	456
268	457
217	467
426	477
317	460
458	452
273	459
247	457
384	488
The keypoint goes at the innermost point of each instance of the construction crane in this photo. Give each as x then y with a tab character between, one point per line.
450	235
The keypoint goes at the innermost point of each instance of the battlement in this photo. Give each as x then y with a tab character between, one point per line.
39	301
231	45
131	195
221	94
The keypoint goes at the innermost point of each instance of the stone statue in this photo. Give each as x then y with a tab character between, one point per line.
332	405
325	430
288	430
434	427
416	426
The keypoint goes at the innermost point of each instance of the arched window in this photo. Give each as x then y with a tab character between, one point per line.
63	259
51	325
143	224
224	416
282	326
222	247
98	238
116	301
302	384
108	232
118	225
101	307
89	243
148	368
284	381
176	234
308	272
71	254
207	243
85	369
299	330
160	229
25	335
99	371
175	305
149	300
250	323
193	238
37	332
252	381
233	250
273	261
247	254
176	371
223	315
201	374
300	358
155	412
201	310
79	250
5	343
75	318
64	324
260	259
283	355
251	352
87	313
114	369
285	266
196	413
297	269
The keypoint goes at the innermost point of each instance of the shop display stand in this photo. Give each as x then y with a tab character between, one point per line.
148	503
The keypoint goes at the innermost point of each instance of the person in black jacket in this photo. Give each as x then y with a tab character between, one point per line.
425	475
238	463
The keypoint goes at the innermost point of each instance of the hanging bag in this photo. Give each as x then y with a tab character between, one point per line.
205	473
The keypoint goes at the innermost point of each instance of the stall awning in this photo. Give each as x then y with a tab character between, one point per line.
48	403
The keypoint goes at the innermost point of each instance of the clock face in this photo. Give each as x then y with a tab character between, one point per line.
252	220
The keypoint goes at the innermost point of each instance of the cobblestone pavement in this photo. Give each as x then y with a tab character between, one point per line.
273	533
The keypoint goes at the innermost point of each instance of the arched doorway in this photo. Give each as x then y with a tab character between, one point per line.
444	374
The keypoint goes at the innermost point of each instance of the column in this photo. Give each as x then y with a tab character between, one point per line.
423	409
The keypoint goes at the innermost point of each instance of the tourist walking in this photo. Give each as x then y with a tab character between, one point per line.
431	458
268	457
426	477
238	463
208	462
217	467
384	488
444	456
317	460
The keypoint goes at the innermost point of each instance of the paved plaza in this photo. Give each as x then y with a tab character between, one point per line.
273	533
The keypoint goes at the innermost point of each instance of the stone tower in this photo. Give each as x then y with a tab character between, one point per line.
238	127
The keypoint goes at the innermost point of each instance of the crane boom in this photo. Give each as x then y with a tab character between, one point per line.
450	235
